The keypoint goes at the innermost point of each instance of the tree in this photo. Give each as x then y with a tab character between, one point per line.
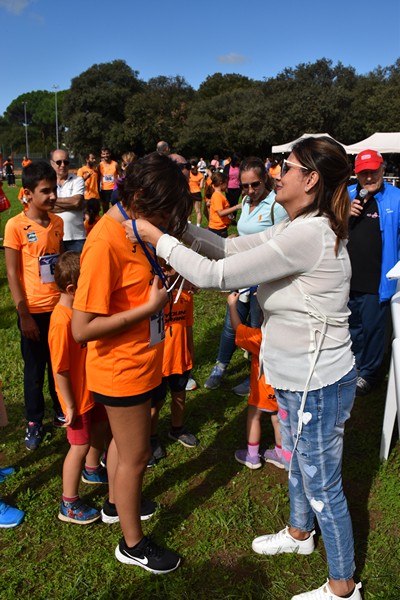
40	117
96	103
158	112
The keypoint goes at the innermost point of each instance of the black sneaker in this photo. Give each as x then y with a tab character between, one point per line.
33	435
157	450
109	513
183	437
148	555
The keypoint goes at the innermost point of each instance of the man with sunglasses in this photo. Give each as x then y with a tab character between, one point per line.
373	249
69	205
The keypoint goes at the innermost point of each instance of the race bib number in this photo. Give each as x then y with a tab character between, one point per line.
108	178
47	265
157	330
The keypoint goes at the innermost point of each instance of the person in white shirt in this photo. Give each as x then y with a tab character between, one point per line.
70	204
303	271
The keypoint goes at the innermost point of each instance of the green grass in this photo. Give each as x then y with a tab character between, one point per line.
211	507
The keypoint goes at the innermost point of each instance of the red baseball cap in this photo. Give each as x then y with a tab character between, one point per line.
368	160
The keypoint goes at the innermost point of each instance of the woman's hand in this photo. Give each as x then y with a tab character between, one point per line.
147	232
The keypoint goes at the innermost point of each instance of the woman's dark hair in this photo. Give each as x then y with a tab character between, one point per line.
235	161
155	185
92	209
253	163
329	160
217	179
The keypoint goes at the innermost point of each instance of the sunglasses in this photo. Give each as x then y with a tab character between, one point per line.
254	185
61	162
185	165
287	165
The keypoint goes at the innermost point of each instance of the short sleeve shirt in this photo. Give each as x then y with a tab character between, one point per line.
39	248
177	358
116	276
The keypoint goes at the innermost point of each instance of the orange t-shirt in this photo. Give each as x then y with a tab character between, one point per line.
39	248
177	358
194	182
262	395
116	276
27	162
67	355
218	202
108	174
91	183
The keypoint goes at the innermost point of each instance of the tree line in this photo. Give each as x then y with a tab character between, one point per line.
108	104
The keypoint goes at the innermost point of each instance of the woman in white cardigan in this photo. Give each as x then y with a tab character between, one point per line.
303	271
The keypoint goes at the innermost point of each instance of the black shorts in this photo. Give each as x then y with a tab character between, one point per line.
197	197
221	232
123	401
176	382
105	196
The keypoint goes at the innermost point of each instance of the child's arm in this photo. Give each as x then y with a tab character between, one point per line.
227	211
65	387
232	301
28	326
87	327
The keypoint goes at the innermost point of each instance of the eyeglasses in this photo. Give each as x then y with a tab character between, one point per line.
254	184
185	165
61	162
287	165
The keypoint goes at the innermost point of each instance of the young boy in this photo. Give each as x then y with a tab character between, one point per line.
86	422
261	398
33	242
177	363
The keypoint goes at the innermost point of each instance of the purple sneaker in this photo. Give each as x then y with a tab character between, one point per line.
271	456
244	458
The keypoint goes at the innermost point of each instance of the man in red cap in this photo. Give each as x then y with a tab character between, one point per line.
374	249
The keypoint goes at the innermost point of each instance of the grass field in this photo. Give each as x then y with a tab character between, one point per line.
210	506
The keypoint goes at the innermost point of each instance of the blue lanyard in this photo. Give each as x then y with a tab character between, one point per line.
152	259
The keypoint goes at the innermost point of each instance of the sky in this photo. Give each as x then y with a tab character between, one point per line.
47	43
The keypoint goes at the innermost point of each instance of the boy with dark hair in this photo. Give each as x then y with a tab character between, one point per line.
33	242
86	422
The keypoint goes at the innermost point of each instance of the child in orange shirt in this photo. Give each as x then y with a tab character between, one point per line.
196	184
33	242
118	309
261	398
219	208
86	422
177	363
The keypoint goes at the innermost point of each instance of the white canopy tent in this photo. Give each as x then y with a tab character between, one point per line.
385	143
289	145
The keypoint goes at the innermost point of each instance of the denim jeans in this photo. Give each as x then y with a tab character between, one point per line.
315	485
74	245
36	356
367	323
250	313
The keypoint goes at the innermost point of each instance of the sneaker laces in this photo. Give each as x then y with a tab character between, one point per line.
151	549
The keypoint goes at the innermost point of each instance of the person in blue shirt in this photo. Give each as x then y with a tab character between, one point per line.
373	247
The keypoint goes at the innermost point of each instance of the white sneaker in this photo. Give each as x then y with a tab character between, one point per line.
325	593
191	384
281	542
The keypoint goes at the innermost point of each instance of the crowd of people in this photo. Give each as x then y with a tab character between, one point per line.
106	306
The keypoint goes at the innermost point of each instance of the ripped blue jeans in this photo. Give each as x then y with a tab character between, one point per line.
315	485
